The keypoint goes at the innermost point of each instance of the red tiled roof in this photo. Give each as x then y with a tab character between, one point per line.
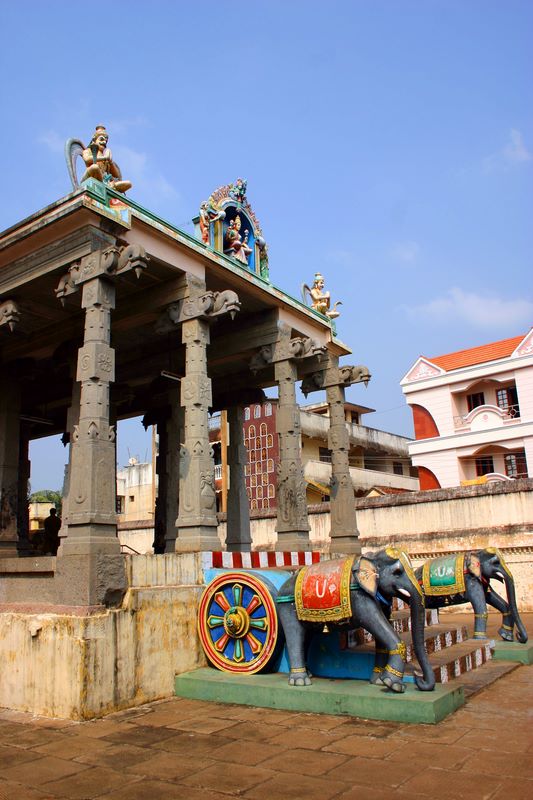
477	355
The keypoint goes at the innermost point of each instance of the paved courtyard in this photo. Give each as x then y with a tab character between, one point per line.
207	751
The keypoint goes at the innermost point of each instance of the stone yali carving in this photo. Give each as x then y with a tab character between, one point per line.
113	262
98	161
9	314
320	299
207	306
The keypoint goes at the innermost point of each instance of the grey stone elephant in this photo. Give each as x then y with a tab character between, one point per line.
360	592
465	578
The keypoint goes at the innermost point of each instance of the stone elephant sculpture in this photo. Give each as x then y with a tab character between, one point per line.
353	592
465	578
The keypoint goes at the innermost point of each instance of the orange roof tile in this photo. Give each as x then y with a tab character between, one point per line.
477	355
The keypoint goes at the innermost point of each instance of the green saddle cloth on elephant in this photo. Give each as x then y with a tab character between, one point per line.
444	575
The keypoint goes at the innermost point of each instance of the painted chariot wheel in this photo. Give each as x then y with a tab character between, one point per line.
238	622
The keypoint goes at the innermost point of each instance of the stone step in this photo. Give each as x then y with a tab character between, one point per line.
401	622
451	652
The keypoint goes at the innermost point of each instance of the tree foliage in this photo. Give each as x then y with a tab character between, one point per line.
51	496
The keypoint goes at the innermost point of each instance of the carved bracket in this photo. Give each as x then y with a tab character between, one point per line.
9	314
111	262
207	306
335	376
286	348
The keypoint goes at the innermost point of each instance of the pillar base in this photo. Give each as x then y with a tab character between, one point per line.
293	541
346	544
197	538
90	580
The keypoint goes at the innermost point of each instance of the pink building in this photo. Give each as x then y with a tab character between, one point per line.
473	414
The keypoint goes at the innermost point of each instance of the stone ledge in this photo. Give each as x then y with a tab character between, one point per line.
342	697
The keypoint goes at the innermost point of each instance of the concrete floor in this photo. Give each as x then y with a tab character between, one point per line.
196	750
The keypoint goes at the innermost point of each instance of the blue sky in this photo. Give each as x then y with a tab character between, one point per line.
388	144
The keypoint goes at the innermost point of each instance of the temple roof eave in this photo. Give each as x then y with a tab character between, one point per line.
219	268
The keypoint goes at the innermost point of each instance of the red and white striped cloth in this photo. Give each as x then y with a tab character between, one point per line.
256	560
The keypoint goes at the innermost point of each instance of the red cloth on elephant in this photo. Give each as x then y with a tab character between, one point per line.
322	591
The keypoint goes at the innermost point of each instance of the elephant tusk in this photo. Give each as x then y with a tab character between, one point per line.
404	592
499	575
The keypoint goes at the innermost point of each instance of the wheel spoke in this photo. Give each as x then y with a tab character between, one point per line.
254	603
237	594
238	653
215	622
261	624
221	643
255	645
222	601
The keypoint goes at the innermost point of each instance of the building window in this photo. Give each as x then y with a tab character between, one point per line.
270	465
254	505
507	400
484	465
271	490
324	455
268	409
516	465
270	440
397	467
247	413
475	400
253	481
132	498
120	504
263	429
257	412
246	469
251	431
264	478
265	504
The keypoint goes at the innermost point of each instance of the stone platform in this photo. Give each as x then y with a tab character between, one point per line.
353	698
513	651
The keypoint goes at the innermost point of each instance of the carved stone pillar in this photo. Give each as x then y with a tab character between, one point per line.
9	465
238	536
197	519
73	419
161	475
292	523
23	514
91	545
344	533
90	568
169	431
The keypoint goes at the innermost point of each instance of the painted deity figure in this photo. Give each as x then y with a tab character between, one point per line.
320	299
99	162
234	244
208	214
238	190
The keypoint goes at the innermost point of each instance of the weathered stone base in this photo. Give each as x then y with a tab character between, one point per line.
60	662
354	698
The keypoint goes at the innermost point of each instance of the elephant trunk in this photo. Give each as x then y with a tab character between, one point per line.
521	633
426	681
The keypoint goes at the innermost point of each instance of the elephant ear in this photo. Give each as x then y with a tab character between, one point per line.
367	576
474	565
